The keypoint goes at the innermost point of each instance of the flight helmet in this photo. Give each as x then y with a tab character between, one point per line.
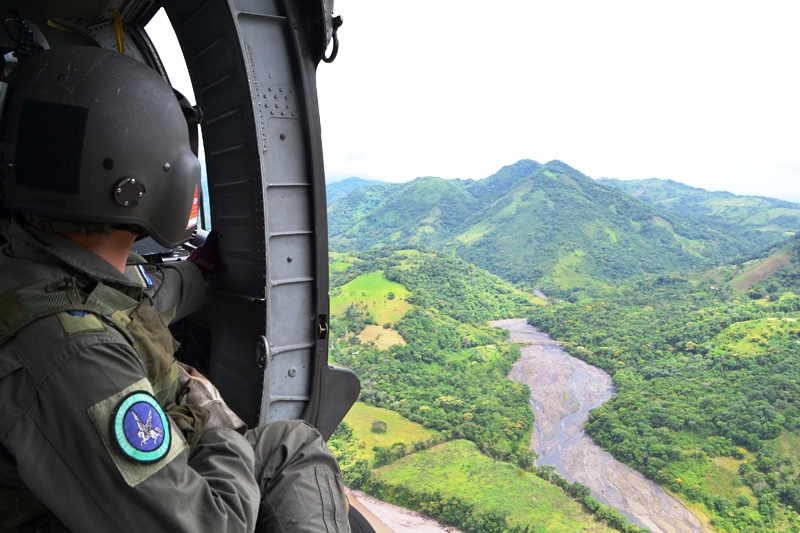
95	137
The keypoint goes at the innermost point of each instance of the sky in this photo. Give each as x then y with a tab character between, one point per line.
705	93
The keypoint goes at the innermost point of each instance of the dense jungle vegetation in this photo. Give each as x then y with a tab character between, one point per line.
703	373
754	219
689	299
445	372
449	373
536	224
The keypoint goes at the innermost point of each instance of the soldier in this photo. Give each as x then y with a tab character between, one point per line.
100	428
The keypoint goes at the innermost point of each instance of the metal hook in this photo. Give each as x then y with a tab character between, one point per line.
337	22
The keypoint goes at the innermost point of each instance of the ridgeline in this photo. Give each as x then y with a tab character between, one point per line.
688	299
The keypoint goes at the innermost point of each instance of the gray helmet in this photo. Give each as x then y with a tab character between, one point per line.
90	135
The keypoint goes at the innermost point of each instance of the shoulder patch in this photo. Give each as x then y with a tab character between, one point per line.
125	447
75	322
140	428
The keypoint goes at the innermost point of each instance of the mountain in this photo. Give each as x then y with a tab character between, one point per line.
424	212
704	362
490	189
342	188
773	274
762	221
353	207
531	224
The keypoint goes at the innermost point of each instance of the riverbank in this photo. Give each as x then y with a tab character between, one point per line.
563	391
388	518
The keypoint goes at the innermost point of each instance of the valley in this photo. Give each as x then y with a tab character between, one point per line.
684	303
563	391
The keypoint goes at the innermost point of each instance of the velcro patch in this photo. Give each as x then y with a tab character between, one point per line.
139	451
75	322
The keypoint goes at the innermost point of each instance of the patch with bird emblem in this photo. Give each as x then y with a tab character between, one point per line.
136	457
140	428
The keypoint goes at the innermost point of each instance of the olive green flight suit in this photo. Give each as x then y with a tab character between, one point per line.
62	376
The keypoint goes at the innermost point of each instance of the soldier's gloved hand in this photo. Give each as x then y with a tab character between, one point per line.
206	256
201	392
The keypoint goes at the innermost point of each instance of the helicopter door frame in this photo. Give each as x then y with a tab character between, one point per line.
253	64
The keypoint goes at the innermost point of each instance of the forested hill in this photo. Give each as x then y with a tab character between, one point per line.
426	211
763	221
704	362
531	224
705	366
340	189
413	326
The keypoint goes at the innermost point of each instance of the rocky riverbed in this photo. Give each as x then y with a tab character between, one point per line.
563	391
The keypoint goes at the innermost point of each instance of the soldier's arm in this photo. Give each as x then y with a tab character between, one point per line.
179	289
59	424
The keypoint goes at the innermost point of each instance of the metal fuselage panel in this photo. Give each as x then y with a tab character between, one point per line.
253	65
253	76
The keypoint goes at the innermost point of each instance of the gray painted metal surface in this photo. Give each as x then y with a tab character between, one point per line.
253	66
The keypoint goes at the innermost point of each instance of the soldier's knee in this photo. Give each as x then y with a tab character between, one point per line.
287	439
298	431
288	446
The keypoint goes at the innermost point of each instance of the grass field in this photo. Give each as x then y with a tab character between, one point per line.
382	337
787	443
476	232
410	258
756	273
398	429
458	469
567	273
339	262
755	337
370	289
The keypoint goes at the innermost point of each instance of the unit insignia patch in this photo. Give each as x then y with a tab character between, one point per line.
140	428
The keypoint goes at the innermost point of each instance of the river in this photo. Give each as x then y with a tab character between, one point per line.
563	391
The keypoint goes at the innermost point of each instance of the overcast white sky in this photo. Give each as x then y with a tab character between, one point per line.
706	93
703	92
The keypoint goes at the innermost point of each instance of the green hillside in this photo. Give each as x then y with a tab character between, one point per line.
758	270
507	178
351	208
758	220
457	472
445	381
340	189
546	225
424	212
707	400
560	229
